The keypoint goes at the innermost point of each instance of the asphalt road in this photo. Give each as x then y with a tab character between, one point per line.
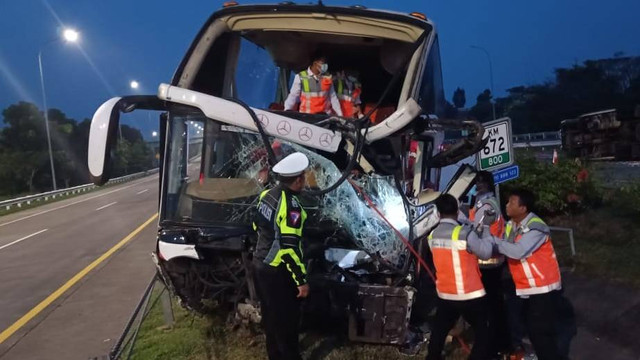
44	247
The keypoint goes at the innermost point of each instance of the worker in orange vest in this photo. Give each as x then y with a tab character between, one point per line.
535	271
348	89
486	215
313	90
455	250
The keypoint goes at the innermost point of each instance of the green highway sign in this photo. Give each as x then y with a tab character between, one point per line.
498	152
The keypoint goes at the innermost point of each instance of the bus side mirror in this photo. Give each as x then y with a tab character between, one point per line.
102	136
104	130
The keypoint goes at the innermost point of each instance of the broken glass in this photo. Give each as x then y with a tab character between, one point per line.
343	206
349	210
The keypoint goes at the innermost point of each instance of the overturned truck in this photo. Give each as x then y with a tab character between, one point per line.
371	180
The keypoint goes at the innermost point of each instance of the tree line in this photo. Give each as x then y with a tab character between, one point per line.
24	154
591	86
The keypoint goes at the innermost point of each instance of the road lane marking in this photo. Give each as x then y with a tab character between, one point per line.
141	192
106	206
5	334
73	203
21	239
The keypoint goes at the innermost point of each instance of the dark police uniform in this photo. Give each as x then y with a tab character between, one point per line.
279	269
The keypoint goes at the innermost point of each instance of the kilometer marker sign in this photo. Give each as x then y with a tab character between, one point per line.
498	153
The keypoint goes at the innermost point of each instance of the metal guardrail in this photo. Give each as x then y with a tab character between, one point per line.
124	347
43	197
571	241
572	245
541	136
541	139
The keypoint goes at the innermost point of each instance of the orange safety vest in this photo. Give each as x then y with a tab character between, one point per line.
539	273
314	95
457	273
496	229
348	98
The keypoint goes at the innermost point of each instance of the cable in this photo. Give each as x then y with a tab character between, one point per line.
398	233
271	156
421	261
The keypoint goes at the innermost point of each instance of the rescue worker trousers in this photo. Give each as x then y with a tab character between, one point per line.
513	309
474	312
492	279
541	316
280	310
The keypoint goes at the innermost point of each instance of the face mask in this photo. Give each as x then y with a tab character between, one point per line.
324	68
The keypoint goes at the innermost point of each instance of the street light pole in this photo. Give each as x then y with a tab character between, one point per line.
69	35
46	121
493	104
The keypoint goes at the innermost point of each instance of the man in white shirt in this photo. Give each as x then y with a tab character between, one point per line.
313	89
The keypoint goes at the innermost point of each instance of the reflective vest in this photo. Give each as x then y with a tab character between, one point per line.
457	273
279	222
348	98
539	273
314	94
496	229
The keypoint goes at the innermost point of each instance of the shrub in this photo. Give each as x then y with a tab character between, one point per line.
625	200
563	187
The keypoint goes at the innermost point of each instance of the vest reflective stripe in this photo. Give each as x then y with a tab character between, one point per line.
287	244
457	273
346	97
457	268
314	95
539	273
285	231
281	219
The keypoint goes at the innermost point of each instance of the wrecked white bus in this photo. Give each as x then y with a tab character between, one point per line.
371	180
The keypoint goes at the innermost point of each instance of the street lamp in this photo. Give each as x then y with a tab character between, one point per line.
134	84
70	36
493	105
154	133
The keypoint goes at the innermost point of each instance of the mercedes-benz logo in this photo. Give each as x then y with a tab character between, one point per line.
305	134
284	128
325	139
264	120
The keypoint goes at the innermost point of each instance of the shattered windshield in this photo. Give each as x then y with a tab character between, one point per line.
214	174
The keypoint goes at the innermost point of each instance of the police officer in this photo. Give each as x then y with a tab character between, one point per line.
313	89
455	250
486	215
535	271
278	260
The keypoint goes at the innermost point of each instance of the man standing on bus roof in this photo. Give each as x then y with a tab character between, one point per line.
280	273
313	89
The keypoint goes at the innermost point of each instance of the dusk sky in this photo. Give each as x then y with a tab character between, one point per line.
123	40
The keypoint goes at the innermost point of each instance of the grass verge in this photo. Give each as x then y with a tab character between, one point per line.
193	337
607	245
